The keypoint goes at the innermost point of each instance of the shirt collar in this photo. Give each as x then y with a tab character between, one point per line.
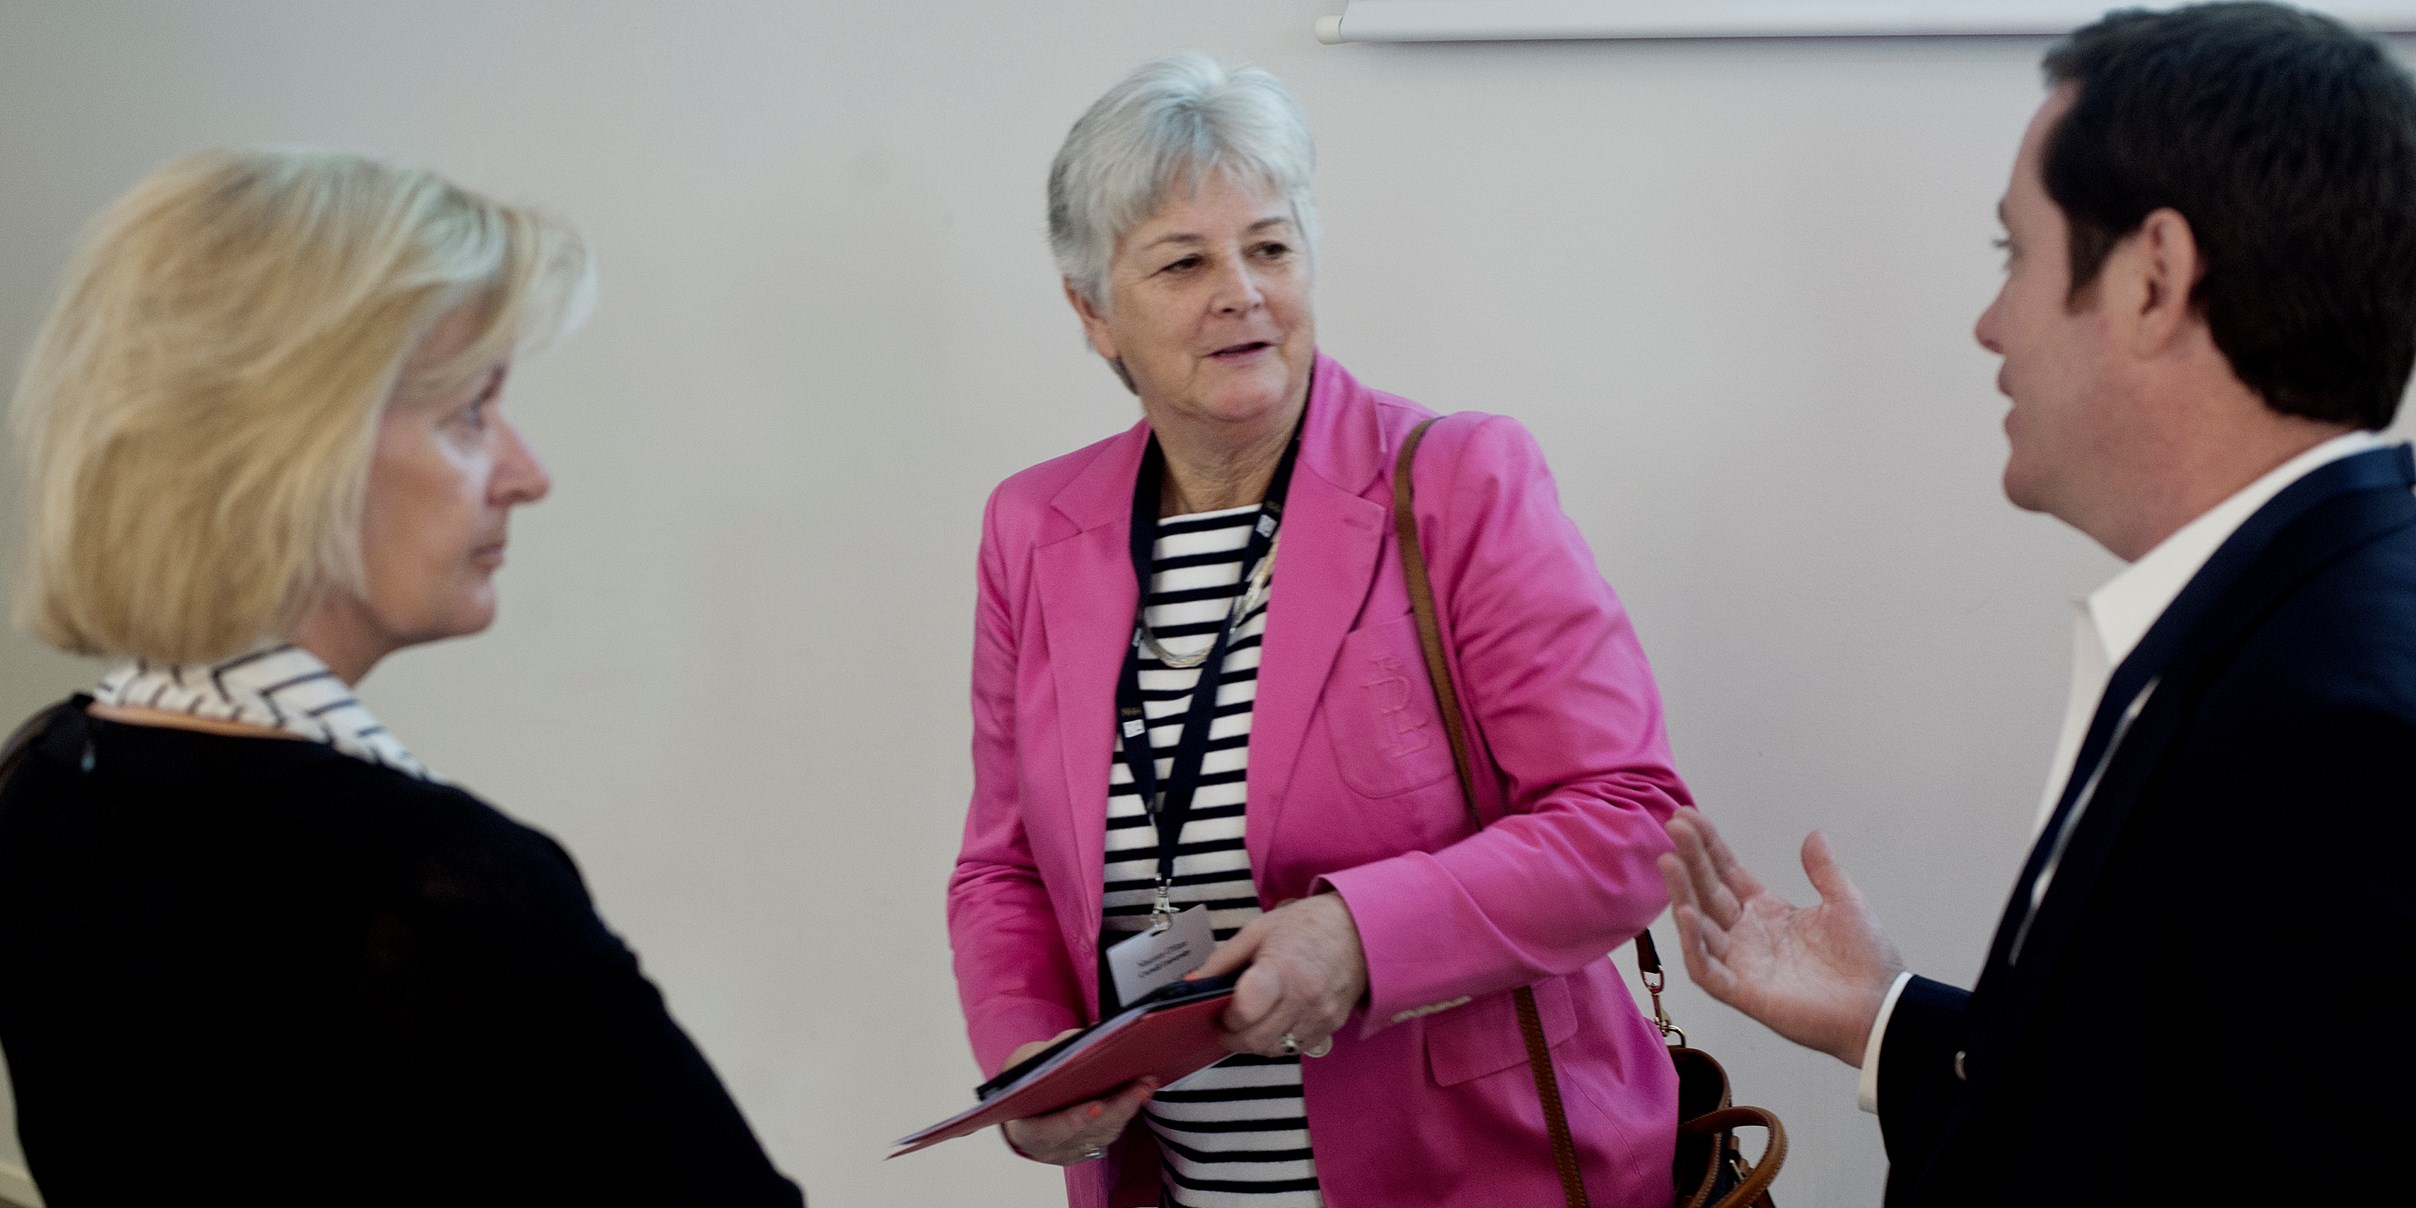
2125	608
275	684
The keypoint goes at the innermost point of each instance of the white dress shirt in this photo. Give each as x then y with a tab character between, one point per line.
2106	626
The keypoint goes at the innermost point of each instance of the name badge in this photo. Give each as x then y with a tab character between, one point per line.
1154	958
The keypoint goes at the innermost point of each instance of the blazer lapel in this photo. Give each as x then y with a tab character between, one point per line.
1332	539
1322	573
1330	545
2311	522
1087	598
2332	510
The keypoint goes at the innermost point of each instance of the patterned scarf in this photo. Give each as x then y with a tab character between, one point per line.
275	684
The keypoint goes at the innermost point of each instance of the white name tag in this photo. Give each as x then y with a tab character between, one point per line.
1154	958
1133	728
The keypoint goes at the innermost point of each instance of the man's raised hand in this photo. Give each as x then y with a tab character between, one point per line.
1814	974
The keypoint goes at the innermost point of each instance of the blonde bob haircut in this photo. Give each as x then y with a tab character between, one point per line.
197	413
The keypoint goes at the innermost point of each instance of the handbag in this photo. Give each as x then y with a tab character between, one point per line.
1710	1166
1709	1169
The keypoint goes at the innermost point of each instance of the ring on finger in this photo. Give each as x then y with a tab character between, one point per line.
1093	1154
1291	1047
1319	1049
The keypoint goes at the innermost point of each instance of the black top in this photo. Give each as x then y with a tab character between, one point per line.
2209	1005
262	968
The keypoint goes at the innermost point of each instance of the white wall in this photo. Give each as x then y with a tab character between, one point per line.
1730	286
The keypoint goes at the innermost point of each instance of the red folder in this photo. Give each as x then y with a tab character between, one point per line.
1167	1041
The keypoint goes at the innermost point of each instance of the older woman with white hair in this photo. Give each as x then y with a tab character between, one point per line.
1199	702
249	945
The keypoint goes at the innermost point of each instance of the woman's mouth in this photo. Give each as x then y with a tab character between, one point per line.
1235	352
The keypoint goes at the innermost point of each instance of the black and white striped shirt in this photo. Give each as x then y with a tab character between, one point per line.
1235	1135
275	684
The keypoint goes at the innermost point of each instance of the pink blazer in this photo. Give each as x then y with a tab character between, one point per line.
1428	1100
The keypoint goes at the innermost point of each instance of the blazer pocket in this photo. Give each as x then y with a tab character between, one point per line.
1484	1037
1380	712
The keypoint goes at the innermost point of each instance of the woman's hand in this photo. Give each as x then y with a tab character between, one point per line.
1306	971
1079	1133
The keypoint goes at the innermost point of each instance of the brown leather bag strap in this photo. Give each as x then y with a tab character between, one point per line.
1430	628
1547	1088
1447	697
1754	1187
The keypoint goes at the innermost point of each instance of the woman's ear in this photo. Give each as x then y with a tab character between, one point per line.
1094	325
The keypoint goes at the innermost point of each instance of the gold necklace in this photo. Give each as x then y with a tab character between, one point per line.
1243	604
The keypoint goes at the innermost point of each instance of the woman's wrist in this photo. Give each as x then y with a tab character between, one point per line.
1089	1155
1007	1132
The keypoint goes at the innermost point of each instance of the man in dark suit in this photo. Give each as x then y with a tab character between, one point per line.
2194	995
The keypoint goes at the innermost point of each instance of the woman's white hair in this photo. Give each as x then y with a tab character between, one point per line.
1172	123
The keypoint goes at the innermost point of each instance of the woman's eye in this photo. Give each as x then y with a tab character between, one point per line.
1274	251
474	417
1184	265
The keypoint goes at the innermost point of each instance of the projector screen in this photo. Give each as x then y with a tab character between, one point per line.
1510	20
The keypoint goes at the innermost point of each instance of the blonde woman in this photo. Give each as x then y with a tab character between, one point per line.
248	942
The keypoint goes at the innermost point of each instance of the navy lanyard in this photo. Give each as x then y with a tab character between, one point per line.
1169	805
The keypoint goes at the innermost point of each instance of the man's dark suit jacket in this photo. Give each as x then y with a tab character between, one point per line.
2210	1005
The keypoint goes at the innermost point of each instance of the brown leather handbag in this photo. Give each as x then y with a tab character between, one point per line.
1710	1168
1710	1164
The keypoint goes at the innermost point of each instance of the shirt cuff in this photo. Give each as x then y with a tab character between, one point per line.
1866	1094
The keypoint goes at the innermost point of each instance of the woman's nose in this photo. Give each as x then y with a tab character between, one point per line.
519	476
1237	290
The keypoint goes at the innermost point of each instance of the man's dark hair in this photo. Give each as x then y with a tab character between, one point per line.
2289	144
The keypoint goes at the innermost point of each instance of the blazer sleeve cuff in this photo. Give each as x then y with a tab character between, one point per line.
1013	1023
1411	954
1921	1046
1866	1093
